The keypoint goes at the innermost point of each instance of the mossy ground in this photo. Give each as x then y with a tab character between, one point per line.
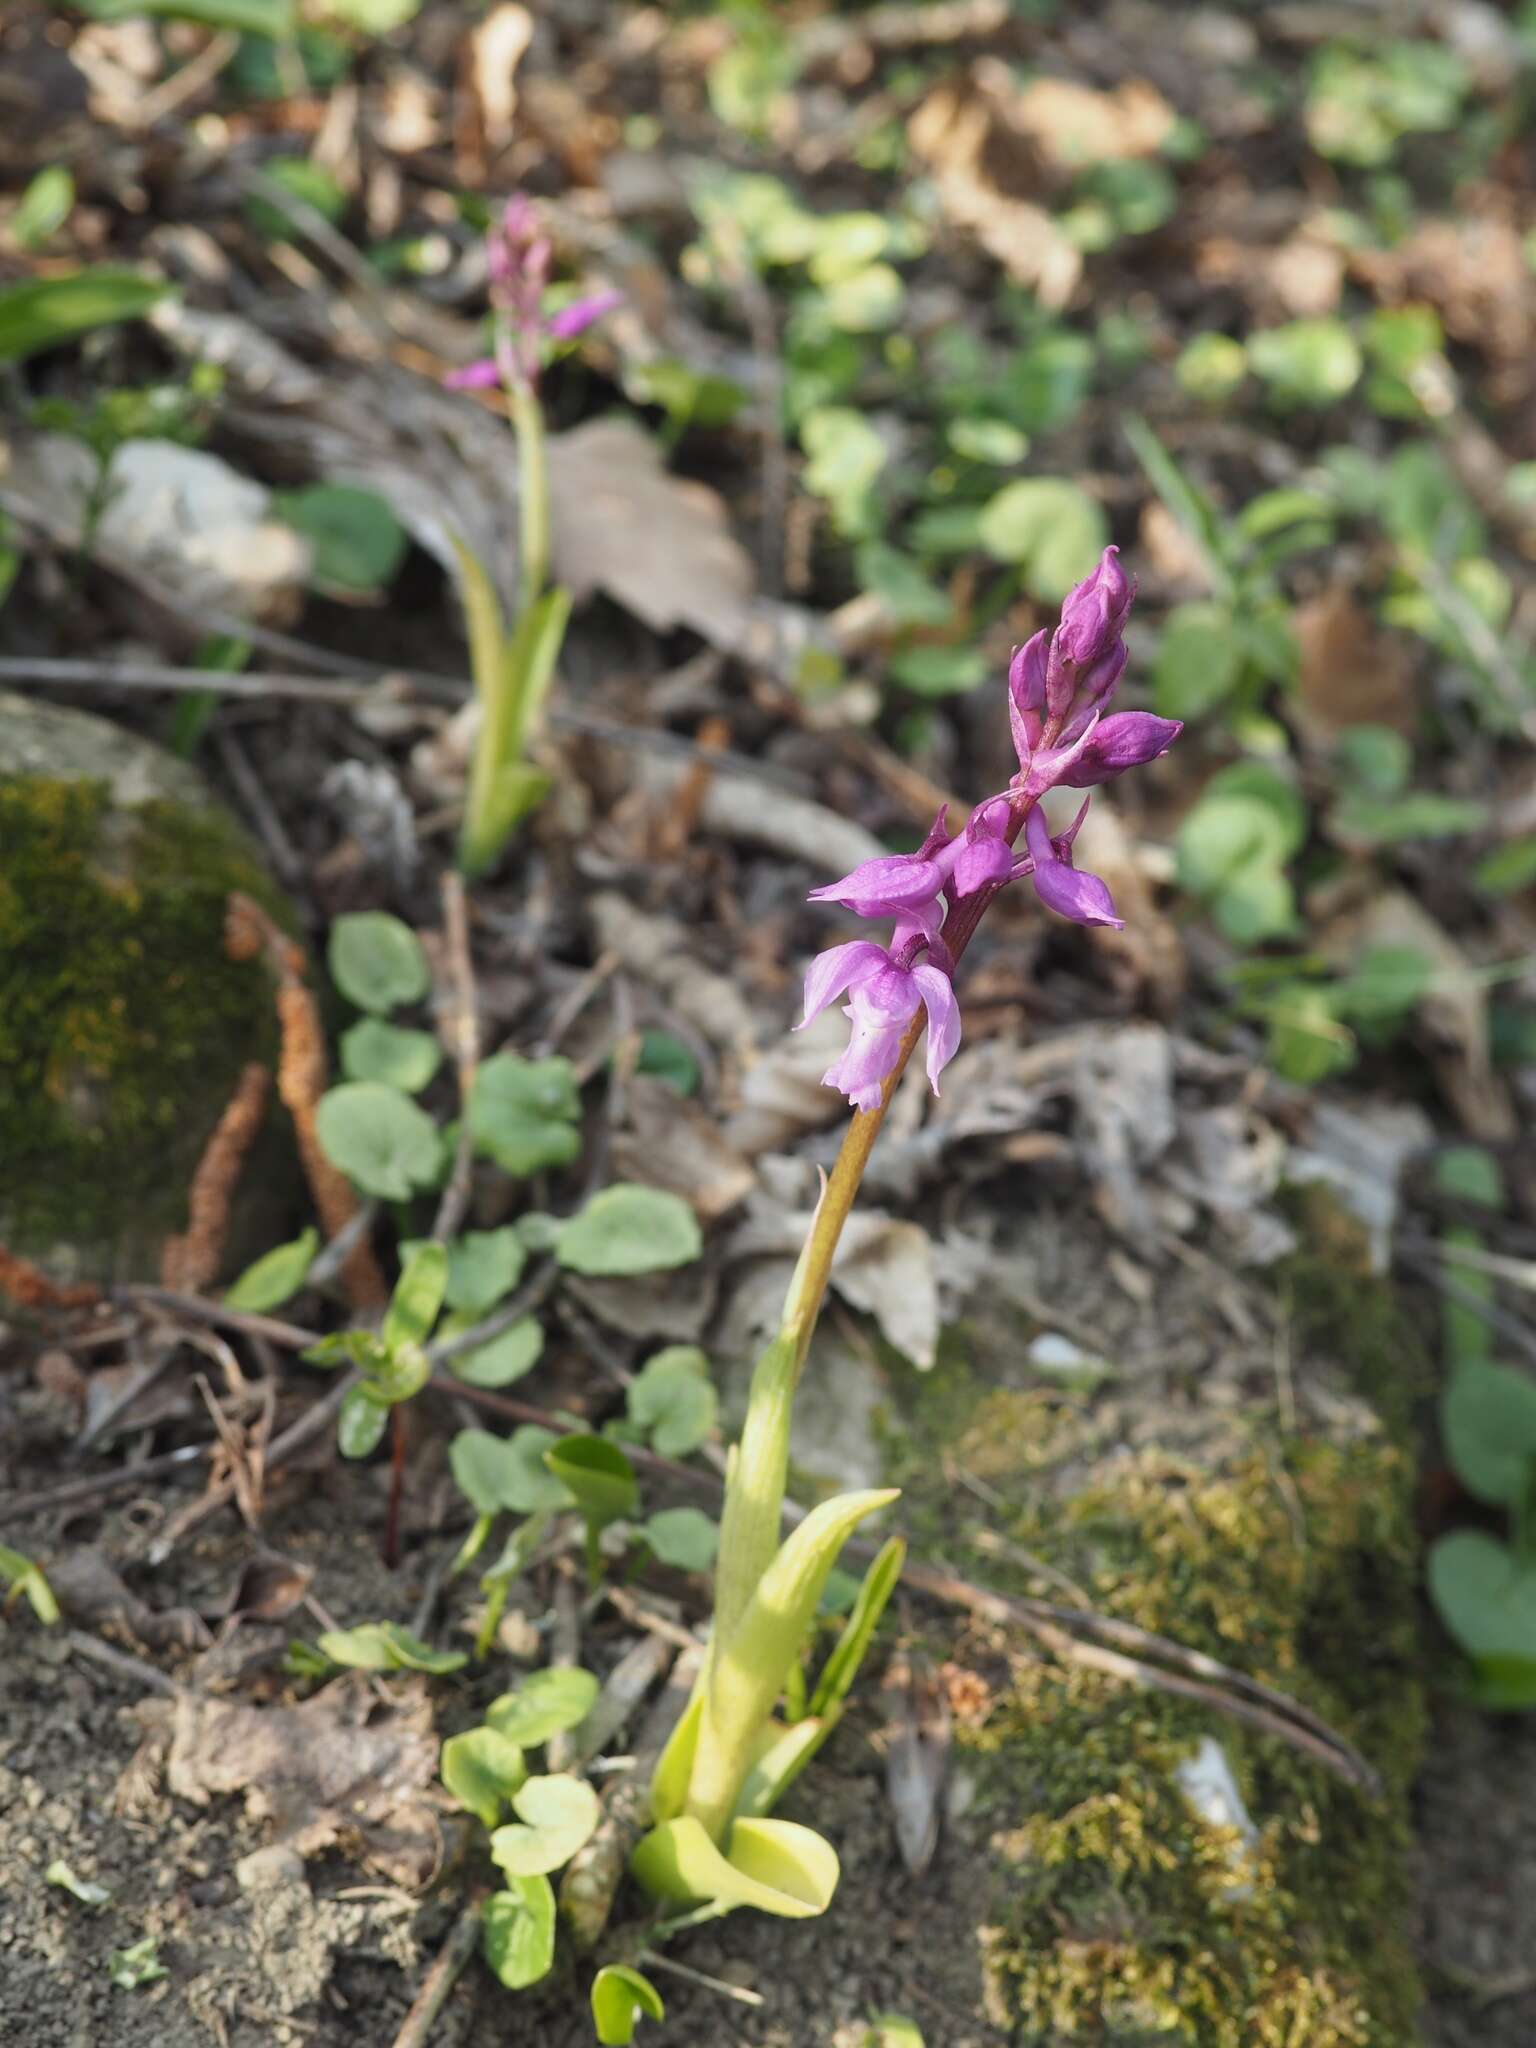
122	1024
1120	1916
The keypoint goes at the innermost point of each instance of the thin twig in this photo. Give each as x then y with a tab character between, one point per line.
134	1669
416	2028
121	1479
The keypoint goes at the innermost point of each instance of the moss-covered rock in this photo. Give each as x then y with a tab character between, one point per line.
123	1025
1120	1915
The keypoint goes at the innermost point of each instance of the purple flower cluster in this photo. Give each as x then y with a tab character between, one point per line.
519	255
1059	686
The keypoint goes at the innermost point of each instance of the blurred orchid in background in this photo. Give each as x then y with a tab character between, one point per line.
518	256
1058	687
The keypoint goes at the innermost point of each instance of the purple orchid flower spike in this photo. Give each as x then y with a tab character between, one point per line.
883	999
1060	685
518	257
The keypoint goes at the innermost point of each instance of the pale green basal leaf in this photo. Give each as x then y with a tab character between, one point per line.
556	1816
627	1229
275	1277
360	1422
504	1360
684	1538
44	312
496	1472
775	1865
379	1139
482	1769
781	1754
418	1296
891	2030
547	1703
672	1399
85	1889
1050	527
26	1576
598	1476
377	961
375	1051
518	1931
386	1646
524	1113
842	1666
620	1998
674	1767
44	207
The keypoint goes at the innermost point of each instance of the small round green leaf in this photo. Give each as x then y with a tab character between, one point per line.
620	1998
377	961
375	1051
684	1538
598	1474
1485	1597
545	1704
630	1229
556	1815
518	1931
44	207
1488	1413
360	1423
1050	527
482	1770
379	1139
495	1472
672	1400
276	1277
1307	362
483	1268
504	1359
524	1113
1198	660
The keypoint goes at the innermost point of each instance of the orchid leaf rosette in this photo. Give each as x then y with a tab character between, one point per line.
715	1842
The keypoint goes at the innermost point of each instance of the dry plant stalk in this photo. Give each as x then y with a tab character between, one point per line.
191	1262
302	1074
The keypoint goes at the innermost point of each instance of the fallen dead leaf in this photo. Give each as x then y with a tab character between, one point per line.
90	1590
1350	672
338	1769
497	46
1473	270
884	1267
657	950
985	169
1454	1012
658	545
918	1738
669	1142
1074	125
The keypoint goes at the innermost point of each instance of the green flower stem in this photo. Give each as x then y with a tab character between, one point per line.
751	1522
532	491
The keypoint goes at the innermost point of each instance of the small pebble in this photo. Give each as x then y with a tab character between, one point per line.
266	1869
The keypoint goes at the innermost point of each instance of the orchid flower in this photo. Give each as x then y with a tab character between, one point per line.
518	255
1059	687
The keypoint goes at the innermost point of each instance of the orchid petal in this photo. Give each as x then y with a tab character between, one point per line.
577	318
1071	893
938	994
840	967
1123	740
481	376
891	884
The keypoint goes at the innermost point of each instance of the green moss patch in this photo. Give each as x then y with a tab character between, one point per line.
123	1026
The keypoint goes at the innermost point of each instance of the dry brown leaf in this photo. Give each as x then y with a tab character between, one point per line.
670	1142
917	1756
339	1768
497	46
90	1590
657	950
1351	672
1074	125
1473	271
984	169
1454	1012
656	544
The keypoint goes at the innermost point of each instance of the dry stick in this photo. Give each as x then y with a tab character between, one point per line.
455	1952
119	1480
386	686
122	1664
